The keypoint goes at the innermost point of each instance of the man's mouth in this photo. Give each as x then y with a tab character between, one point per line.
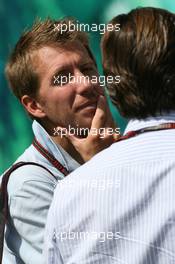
87	106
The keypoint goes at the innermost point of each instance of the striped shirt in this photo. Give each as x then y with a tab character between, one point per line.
120	206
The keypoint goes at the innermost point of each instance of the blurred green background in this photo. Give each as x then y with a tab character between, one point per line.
15	16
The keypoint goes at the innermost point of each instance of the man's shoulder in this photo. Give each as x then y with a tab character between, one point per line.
124	153
38	171
101	160
87	173
27	175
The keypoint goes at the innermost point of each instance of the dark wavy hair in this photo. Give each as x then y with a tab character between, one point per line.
143	54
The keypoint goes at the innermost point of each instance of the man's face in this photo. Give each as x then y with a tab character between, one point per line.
70	103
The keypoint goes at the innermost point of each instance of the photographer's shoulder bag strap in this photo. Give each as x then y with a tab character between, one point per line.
4	199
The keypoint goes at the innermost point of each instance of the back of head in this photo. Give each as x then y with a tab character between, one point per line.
143	54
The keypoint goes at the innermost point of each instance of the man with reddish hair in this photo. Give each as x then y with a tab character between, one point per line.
40	72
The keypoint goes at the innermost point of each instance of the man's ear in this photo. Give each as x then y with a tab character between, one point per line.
32	106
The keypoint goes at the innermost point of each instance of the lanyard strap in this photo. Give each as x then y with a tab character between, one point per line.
131	134
50	157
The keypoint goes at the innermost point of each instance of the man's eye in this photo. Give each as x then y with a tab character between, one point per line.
56	80
89	70
60	80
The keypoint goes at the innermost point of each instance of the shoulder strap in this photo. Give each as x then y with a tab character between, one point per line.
46	154
4	199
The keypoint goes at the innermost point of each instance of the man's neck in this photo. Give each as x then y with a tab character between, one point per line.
62	141
67	146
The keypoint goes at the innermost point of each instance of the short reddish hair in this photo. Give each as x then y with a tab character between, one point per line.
21	70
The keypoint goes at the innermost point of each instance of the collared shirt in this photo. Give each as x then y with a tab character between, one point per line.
120	206
30	191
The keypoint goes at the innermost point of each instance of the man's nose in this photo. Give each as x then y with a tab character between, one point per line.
83	83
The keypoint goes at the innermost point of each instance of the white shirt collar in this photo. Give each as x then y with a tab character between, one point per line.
135	124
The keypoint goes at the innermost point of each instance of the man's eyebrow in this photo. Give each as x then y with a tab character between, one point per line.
69	66
60	69
90	62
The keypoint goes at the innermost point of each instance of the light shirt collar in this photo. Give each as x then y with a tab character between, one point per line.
135	124
56	150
